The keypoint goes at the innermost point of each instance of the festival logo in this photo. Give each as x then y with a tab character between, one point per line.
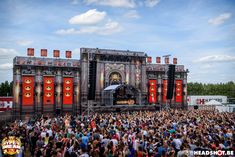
67	81
27	95
11	145
48	81
67	88
48	88
27	81
27	88
67	94
48	94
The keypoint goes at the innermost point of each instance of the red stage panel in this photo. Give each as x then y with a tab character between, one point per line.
149	59
30	52
56	53
178	91
67	91
164	91
68	54
44	52
174	60
27	90
152	91
48	90
158	59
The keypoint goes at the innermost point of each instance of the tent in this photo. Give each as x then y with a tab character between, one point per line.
213	102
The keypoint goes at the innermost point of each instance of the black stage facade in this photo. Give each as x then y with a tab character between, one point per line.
55	85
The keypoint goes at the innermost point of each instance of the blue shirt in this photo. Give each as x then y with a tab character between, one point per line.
85	140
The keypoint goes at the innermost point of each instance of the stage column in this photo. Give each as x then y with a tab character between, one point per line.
98	81
84	79
184	104
16	92
77	93
144	83
38	89
127	69
58	90
132	76
159	89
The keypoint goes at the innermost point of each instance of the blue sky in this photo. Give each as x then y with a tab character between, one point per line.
200	33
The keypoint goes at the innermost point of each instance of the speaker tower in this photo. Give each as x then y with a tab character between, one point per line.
170	82
92	80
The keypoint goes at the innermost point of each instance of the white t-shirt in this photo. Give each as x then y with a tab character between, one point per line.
49	132
43	134
178	143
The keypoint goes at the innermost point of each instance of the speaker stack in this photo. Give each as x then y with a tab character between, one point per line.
170	82
92	80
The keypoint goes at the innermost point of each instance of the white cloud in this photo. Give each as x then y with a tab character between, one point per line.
219	19
113	3
7	53
67	31
90	17
151	3
24	42
109	28
6	66
132	14
216	58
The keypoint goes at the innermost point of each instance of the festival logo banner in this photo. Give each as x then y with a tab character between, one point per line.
11	145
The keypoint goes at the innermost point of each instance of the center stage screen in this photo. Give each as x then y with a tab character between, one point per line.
125	95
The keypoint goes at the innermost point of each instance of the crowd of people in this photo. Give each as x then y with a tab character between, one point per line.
130	134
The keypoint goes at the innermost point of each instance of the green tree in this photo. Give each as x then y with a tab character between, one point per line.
6	89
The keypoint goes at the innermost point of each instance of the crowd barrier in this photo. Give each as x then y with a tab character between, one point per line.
202	107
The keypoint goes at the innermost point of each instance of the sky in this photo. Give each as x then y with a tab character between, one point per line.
200	33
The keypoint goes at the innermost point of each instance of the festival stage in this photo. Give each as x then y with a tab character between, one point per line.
60	85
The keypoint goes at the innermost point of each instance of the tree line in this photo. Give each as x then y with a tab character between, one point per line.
6	88
226	89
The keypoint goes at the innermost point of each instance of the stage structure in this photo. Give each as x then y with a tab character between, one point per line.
101	79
